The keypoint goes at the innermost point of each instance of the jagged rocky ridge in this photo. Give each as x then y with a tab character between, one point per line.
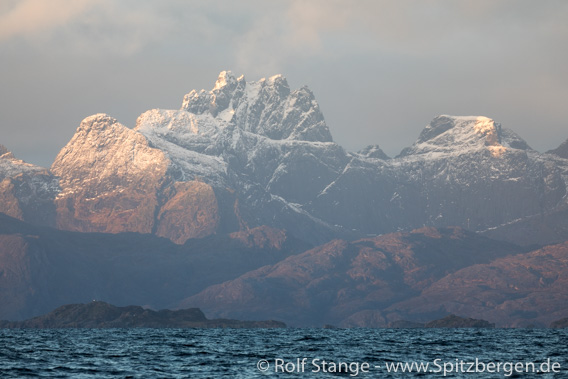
247	154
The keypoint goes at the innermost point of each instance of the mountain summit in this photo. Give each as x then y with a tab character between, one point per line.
447	134
247	154
221	163
266	107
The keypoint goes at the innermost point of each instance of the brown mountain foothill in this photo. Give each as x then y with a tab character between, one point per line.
351	283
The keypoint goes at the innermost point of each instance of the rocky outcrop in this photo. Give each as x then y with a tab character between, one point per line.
191	211
98	314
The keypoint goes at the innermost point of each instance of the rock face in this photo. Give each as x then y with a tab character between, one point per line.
113	181
110	178
98	314
27	191
267	108
191	212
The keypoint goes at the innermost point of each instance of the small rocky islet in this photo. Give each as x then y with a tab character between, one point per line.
98	314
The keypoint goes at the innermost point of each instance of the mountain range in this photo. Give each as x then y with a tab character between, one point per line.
250	169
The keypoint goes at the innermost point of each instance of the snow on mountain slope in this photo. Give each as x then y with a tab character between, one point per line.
12	166
458	134
266	107
462	170
269	144
26	190
184	137
257	153
249	148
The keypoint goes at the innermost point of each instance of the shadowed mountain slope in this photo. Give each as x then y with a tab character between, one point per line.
350	284
42	268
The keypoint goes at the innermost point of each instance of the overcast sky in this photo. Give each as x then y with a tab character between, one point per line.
380	70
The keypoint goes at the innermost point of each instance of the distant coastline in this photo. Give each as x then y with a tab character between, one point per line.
101	315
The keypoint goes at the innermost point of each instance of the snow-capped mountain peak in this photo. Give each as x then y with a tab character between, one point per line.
225	78
11	166
259	153
267	107
448	134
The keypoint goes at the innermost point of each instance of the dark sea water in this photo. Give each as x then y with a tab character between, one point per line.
242	353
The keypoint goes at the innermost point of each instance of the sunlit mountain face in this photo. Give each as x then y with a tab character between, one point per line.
241	194
247	154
